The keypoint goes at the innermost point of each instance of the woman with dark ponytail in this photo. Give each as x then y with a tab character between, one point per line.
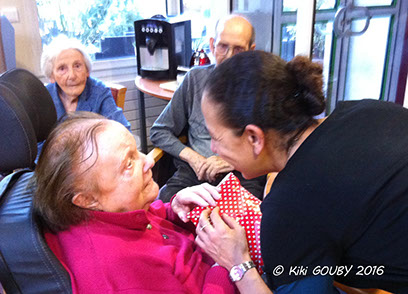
338	209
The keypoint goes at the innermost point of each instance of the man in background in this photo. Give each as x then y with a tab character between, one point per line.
194	161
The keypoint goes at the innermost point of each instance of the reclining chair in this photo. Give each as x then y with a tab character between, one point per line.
27	115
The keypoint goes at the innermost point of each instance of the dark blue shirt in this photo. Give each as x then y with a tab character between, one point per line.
96	97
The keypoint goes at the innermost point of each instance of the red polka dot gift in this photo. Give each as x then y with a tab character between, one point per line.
237	202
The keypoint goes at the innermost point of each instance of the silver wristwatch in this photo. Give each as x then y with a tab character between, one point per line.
238	271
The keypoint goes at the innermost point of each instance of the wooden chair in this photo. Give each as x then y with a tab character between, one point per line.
156	153
164	168
351	290
118	93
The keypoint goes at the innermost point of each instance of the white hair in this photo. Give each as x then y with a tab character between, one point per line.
57	45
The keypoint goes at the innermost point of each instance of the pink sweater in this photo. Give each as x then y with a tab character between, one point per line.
137	252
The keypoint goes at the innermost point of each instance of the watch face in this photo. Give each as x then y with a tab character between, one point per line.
236	273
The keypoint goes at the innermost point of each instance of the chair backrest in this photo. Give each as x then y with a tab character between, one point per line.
118	93
27	114
351	290
27	264
163	168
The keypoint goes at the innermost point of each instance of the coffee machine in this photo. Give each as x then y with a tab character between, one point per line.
162	44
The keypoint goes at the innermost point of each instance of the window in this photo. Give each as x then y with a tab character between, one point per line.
357	60
322	31
291	5
203	16
200	15
104	26
359	42
260	14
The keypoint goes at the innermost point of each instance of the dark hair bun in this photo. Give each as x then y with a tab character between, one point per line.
309	80
260	88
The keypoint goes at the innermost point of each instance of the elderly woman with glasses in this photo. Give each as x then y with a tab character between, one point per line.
67	65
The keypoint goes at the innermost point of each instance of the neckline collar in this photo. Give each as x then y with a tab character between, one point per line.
137	219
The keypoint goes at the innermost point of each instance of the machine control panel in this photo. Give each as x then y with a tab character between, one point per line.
152	28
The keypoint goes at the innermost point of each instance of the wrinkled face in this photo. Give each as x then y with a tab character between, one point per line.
123	175
234	38
70	72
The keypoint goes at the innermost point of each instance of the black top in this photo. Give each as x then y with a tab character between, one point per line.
342	199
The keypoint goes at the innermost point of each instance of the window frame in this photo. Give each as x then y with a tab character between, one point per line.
101	68
338	66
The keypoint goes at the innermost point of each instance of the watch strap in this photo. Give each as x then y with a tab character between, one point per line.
244	267
248	265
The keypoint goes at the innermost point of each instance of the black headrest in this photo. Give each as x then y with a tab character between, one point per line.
27	265
27	115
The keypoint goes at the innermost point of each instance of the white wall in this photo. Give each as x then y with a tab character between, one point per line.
28	40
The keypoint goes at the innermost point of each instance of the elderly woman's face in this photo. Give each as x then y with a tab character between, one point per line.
70	72
123	176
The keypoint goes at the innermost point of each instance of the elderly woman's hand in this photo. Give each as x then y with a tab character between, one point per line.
222	238
188	198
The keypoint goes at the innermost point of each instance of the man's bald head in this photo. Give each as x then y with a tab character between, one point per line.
233	34
237	21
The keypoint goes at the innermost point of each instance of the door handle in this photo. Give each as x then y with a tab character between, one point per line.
345	16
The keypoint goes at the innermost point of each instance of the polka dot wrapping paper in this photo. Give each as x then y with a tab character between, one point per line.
237	202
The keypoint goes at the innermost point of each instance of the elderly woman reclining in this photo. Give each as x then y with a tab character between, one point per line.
96	197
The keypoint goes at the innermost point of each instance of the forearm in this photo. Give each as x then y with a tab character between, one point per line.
251	282
171	122
166	140
193	158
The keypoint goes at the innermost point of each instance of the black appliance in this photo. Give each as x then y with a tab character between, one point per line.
162	44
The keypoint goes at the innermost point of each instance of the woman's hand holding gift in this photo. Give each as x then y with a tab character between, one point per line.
201	195
222	238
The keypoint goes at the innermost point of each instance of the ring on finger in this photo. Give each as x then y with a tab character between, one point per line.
202	228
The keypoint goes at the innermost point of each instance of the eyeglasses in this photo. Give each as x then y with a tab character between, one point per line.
223	49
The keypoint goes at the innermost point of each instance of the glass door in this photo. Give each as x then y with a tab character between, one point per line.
323	35
367	48
259	13
359	43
